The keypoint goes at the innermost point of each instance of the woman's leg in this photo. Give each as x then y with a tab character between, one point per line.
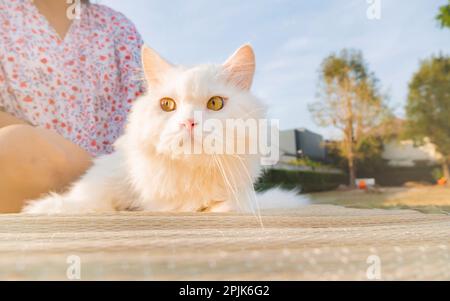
35	161
7	119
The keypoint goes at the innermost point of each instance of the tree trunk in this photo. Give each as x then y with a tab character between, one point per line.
350	143
349	131
352	171
446	170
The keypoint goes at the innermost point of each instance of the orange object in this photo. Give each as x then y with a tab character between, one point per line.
442	181
362	185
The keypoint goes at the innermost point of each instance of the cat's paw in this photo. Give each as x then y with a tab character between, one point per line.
47	206
221	207
60	204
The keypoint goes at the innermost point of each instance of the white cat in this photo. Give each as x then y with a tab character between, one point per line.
148	171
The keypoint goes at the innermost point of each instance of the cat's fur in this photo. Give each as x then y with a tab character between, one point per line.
147	171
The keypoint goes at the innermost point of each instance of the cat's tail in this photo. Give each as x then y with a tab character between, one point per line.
278	198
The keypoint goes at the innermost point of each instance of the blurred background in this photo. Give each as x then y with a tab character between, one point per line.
361	88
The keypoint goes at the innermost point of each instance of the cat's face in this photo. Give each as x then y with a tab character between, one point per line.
186	110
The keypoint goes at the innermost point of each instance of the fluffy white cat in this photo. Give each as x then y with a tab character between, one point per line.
148	170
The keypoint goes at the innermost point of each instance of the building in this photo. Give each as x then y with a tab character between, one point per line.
406	153
298	143
400	152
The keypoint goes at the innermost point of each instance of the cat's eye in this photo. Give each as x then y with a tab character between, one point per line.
168	104
216	103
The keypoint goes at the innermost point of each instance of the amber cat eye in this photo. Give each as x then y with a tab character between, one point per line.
216	103
168	104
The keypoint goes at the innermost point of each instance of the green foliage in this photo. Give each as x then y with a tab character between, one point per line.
370	159
444	15
437	174
349	100
428	107
348	94
388	176
370	153
307	162
334	155
304	181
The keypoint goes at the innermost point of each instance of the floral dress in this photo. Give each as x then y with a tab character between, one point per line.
81	86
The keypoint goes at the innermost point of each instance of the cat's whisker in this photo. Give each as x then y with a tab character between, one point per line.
225	178
250	181
253	196
227	163
224	175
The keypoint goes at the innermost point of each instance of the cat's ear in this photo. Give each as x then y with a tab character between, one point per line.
240	67
155	67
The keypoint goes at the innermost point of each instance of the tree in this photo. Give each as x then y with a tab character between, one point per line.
428	107
350	101
444	15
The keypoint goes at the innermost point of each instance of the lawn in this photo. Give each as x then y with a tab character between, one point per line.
427	199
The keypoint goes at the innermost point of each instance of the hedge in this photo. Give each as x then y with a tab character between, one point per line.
304	181
398	176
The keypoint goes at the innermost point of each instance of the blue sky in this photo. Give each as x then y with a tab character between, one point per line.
291	38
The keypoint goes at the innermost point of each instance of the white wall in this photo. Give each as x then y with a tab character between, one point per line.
404	153
287	142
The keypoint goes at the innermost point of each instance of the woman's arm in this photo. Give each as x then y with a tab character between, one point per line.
7	119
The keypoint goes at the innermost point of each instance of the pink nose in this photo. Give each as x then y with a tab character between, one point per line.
189	124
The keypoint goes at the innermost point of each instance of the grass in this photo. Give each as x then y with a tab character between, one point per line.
429	199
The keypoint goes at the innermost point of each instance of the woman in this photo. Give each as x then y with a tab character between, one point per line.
68	74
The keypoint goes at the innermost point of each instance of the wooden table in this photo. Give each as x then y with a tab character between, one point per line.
317	242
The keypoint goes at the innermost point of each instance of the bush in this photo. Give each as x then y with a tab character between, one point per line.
304	181
437	173
305	161
398	176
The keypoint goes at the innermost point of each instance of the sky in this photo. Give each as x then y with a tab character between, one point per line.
291	38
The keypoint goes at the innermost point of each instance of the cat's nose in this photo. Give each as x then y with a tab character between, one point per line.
189	124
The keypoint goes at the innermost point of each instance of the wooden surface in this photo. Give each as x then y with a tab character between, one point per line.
317	242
